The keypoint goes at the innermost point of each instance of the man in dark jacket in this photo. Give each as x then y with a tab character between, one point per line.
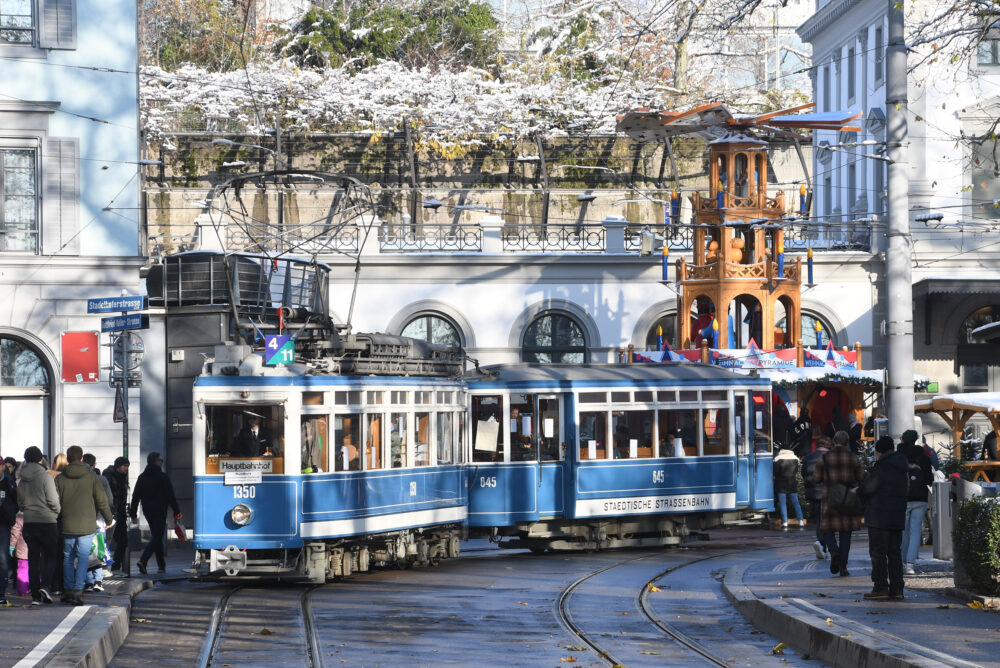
81	497
117	477
8	517
155	492
884	492
802	432
920	476
814	492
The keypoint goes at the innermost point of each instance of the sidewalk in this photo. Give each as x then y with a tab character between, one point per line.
793	596
87	635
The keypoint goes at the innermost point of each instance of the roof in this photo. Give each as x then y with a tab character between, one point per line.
984	402
679	373
963	285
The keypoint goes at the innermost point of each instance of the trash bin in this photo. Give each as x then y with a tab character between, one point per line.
948	498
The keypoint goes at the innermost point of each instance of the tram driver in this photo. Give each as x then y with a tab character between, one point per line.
254	439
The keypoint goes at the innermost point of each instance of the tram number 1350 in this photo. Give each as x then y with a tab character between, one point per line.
244	491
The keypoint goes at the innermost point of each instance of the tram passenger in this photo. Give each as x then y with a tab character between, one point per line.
310	447
621	435
254	440
522	447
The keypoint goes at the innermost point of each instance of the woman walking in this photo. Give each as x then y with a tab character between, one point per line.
786	484
839	466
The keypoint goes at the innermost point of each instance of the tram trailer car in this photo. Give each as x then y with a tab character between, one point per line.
603	456
356	462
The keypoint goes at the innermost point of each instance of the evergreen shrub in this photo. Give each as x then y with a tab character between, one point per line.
976	543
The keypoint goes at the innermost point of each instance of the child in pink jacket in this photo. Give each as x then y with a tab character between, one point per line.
19	549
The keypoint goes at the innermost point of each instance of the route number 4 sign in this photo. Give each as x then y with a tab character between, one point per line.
279	349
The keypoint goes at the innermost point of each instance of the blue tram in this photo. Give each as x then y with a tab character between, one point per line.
387	454
595	456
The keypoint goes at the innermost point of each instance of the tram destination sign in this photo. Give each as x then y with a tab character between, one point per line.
122	322
117	304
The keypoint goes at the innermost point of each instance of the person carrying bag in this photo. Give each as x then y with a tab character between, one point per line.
839	471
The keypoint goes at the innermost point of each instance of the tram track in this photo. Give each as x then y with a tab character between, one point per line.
209	655
643	605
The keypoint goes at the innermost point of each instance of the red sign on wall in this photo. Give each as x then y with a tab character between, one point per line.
80	357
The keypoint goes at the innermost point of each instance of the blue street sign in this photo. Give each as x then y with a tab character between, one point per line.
120	322
279	349
113	304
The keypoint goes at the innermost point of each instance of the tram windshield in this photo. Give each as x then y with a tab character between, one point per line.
242	438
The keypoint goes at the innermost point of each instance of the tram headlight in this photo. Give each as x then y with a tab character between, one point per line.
241	514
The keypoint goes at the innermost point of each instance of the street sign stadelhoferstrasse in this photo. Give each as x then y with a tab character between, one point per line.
117	304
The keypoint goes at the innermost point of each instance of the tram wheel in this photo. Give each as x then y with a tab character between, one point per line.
538	550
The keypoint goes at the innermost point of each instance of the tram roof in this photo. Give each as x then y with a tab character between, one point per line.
612	375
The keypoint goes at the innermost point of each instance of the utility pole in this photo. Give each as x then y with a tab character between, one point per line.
898	261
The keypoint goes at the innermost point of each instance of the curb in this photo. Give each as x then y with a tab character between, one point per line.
991	602
827	636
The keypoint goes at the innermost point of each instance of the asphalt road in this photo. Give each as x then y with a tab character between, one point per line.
631	607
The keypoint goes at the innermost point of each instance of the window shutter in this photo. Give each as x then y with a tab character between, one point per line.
58	24
60	196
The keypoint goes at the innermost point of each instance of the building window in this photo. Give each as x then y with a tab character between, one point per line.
879	185
977	356
18	200
554	338
826	88
16	25
813	338
852	184
434	329
850	74
20	366
879	50
828	195
988	52
666	324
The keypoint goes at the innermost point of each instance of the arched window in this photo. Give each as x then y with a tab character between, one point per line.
811	336
668	323
433	328
25	397
554	338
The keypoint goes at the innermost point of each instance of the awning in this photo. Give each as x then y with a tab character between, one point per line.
962	285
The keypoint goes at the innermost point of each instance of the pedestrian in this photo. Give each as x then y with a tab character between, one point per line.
19	550
921	475
838	466
8	517
11	465
802	433
95	576
39	501
117	477
155	492
814	493
58	464
82	497
786	484
782	426
932	455
885	491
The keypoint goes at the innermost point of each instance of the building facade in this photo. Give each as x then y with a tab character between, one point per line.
70	221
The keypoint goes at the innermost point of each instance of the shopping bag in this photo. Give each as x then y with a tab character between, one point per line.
179	530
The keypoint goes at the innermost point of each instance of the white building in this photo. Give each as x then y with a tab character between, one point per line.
955	273
69	215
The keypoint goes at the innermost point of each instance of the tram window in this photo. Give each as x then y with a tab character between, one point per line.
423	397
633	434
644	397
761	421
346	437
312	398
713	395
399	397
349	398
374	442
678	433
687	395
739	425
376	397
422	442
245	432
397	440
315	443
715	434
550	444
446	397
593	397
620	397
459	437
487	438
445	438
593	435
522	428
668	396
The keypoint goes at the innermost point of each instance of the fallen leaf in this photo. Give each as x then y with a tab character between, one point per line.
975	605
729	630
141	620
821	594
575	648
643	651
652	588
779	648
521	603
829	621
568	659
266	632
946	606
